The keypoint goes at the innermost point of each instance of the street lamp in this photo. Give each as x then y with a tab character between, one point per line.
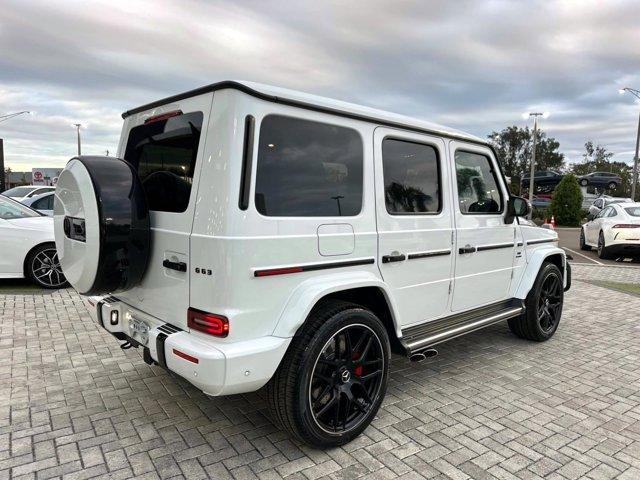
4	118
535	116
634	182
78	125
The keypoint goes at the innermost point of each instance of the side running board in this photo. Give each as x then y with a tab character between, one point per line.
420	337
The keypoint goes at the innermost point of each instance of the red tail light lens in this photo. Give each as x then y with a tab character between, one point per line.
209	323
163	116
626	225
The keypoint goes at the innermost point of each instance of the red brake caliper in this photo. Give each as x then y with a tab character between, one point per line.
358	369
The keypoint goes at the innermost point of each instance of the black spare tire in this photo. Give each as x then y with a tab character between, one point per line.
101	223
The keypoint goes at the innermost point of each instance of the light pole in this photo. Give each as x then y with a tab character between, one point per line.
634	181
78	125
4	118
532	172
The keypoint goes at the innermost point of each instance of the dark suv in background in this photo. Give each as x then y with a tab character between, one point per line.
600	179
544	180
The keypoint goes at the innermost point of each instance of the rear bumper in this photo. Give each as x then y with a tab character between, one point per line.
216	368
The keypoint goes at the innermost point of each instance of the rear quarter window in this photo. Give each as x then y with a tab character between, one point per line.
308	169
164	153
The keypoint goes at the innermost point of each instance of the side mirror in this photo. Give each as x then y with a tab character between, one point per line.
516	207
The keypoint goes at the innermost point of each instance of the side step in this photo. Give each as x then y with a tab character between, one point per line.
420	337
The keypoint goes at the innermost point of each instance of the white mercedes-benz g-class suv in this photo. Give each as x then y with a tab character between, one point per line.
252	236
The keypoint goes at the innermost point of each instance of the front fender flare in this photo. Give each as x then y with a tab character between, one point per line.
535	260
308	293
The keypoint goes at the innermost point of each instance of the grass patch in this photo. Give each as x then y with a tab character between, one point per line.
631	288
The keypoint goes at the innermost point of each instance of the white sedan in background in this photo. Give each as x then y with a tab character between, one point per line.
615	231
42	203
26	191
27	247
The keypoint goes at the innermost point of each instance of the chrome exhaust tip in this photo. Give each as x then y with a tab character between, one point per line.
423	355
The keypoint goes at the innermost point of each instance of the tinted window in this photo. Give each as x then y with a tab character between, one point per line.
411	177
633	211
477	185
164	152
308	169
10	209
44	203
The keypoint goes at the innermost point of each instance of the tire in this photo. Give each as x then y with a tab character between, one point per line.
317	363
583	244
603	251
584	182
543	306
612	185
42	267
101	225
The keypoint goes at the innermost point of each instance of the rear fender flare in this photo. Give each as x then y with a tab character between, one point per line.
535	261
308	293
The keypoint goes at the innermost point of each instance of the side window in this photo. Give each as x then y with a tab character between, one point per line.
612	212
164	153
308	169
478	191
604	212
45	203
411	177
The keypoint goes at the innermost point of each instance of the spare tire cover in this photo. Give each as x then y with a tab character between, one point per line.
101	223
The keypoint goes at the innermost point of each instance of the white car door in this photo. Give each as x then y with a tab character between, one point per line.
593	227
414	216
484	249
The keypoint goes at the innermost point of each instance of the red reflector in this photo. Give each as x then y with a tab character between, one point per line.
163	116
278	271
186	356
208	322
626	225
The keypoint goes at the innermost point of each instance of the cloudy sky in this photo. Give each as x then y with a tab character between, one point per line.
473	65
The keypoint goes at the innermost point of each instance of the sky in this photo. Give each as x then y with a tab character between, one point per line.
472	65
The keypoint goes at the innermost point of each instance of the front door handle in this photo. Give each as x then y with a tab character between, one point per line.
394	257
467	249
179	266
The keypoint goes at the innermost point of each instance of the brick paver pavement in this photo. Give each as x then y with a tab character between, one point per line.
74	405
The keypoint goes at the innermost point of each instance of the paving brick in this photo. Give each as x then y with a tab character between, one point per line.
489	406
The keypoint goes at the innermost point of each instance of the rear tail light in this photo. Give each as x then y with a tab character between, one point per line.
208	323
163	116
626	225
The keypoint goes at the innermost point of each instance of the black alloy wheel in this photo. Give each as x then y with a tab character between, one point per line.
347	376
584	182
550	303
583	242
612	185
603	251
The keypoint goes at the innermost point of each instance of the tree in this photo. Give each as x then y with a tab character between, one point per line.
597	159
514	146
567	202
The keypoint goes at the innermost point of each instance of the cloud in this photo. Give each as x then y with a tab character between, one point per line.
473	65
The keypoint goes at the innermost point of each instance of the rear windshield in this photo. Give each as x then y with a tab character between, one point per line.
164	153
18	191
10	209
633	211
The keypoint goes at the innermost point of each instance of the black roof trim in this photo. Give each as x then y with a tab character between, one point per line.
296	103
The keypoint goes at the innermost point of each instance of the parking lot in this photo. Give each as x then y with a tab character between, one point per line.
74	405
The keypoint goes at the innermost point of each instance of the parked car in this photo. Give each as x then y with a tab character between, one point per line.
545	180
540	202
27	245
43	203
601	202
26	191
306	256
614	231
600	179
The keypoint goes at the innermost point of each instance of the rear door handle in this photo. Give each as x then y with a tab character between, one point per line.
396	257
467	249
179	266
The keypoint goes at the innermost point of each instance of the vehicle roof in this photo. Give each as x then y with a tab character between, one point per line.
627	204
318	103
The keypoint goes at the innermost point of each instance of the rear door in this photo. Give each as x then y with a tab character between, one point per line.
414	222
166	146
484	252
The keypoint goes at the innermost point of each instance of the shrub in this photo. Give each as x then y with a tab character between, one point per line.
567	202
